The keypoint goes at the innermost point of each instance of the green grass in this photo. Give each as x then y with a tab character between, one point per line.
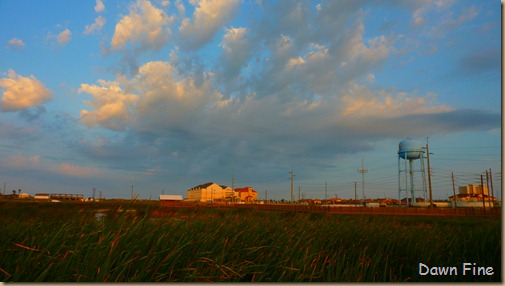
64	242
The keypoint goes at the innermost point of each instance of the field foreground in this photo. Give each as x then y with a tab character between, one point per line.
139	243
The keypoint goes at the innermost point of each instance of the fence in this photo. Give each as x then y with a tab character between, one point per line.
412	211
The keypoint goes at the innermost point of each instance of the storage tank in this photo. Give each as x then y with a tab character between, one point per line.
410	150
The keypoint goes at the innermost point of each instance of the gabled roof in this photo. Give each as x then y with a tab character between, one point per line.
203	186
245	189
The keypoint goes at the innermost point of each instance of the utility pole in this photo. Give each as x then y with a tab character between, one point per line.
291	177
355	194
298	193
362	170
100	195
482	188
453	191
487	184
94	190
491	179
429	172
5	186
132	192
325	191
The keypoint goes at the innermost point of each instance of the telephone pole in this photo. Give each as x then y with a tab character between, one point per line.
292	177
298	193
325	191
491	179
454	191
482	189
429	172
132	192
362	170
355	194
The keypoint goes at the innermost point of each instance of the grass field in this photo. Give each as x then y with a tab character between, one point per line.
66	242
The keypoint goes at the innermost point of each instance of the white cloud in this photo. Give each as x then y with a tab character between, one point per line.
209	16
96	26
22	92
111	105
146	25
99	7
15	43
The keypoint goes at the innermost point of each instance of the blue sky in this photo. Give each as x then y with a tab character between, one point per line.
167	95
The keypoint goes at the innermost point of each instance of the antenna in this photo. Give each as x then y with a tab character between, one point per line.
362	171
292	177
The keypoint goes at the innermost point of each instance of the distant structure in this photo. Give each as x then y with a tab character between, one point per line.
410	174
68	197
473	190
212	192
169	200
247	194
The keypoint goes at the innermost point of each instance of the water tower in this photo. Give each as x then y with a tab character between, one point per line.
411	172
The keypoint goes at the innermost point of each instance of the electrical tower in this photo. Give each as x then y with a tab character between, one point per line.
362	171
292	177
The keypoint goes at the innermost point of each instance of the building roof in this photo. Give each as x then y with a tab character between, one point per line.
170	198
245	189
203	186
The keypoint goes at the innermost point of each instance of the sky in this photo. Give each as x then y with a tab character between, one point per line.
167	95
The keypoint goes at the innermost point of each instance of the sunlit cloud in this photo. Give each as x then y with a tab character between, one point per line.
111	105
96	26
22	92
99	6
146	26
15	43
360	101
64	37
74	170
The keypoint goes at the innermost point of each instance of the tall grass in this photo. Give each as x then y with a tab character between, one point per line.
67	243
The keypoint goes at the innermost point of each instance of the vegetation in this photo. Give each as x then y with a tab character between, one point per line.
67	242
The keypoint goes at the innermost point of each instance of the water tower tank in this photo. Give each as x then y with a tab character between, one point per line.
410	150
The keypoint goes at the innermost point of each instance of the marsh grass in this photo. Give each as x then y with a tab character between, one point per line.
65	242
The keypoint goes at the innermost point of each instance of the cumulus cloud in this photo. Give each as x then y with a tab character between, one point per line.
22	92
146	26
15	43
96	26
169	100
64	37
209	16
111	105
